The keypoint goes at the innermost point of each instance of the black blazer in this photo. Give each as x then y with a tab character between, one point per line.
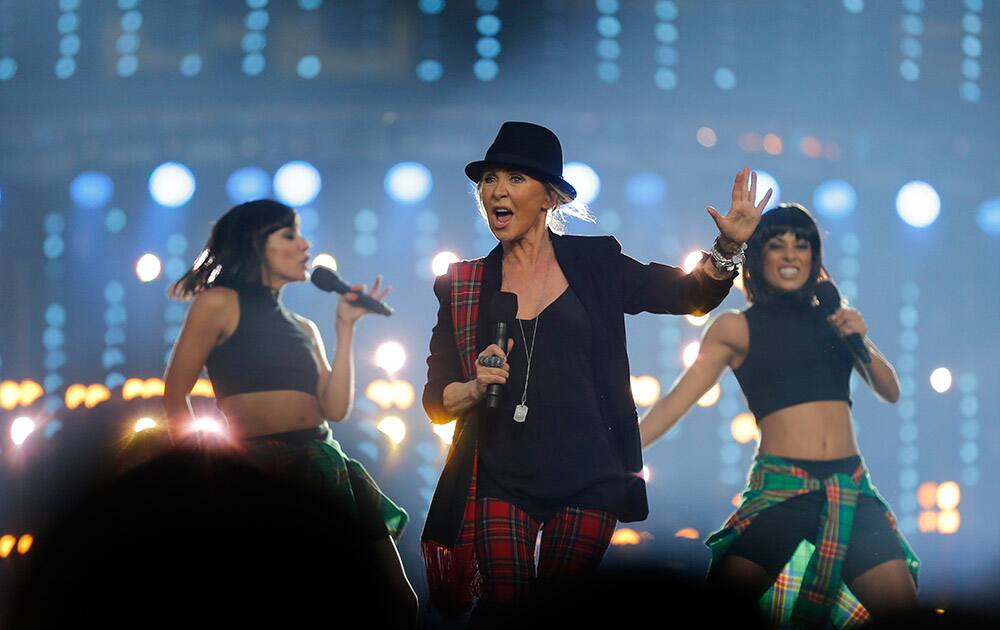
608	284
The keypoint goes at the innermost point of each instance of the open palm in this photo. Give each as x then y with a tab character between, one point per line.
739	223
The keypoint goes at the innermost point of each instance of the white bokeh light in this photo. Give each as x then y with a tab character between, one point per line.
584	179
394	428
439	265
690	353
324	260
171	184
297	183
764	181
408	182
691	261
20	429
918	204
143	424
148	267
941	380
207	425
390	356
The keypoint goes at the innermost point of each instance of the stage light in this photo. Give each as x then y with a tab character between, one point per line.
927	521
988	216
584	179
148	267
323	260
706	137
948	522
297	183
430	70
10	395
28	392
927	495
711	396
390	356
764	181
625	536
91	190
191	64
725	78
20	429
96	394
24	543
440	262
7	543
75	395
408	182
403	394
247	184
835	198
918	204
206	424
688	533
645	189
690	353
949	494
646	473
379	392
446	432
171	184
773	144
308	67
394	428
691	261
202	387
143	424
645	390
485	69
811	147
941	380
744	428
697	320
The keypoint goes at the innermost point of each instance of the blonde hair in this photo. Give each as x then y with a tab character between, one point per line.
555	218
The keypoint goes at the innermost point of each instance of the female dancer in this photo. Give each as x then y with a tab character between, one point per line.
808	480
561	452
270	373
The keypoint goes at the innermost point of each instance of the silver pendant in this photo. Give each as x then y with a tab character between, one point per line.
520	413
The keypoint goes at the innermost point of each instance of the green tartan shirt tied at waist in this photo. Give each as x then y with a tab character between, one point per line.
772	481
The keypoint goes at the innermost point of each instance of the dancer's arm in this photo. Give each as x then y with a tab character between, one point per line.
880	375
723	341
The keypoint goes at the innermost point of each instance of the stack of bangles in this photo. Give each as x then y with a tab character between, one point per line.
492	361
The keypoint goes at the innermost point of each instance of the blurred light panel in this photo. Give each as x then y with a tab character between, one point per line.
148	267
390	356
645	189
324	260
20	429
835	199
247	184
584	179
764	181
394	428
988	216
440	262
91	190
941	380
297	183
408	182
918	204
171	184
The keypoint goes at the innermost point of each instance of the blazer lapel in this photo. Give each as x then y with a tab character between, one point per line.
492	280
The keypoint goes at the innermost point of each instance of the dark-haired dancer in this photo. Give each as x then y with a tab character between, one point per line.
270	373
808	480
561	454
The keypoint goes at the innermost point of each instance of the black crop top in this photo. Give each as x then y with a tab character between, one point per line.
794	357
268	351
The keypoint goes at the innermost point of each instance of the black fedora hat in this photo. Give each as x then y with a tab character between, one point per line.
526	146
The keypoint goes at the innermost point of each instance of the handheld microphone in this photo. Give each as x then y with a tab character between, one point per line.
328	280
829	301
502	310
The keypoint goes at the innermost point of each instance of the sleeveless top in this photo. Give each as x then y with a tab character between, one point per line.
268	351
795	357
562	455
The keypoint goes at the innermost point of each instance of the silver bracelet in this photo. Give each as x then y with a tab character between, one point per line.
727	264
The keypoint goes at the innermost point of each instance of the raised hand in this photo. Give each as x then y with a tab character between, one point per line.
348	311
743	216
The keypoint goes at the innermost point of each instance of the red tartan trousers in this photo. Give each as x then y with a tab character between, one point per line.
573	542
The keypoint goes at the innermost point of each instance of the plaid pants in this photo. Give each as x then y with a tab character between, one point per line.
573	542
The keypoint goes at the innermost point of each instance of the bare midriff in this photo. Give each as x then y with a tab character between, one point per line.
819	430
264	413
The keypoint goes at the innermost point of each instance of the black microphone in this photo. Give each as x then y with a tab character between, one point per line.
328	280
829	301
502	310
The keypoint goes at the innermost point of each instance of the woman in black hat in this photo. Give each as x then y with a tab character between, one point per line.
561	452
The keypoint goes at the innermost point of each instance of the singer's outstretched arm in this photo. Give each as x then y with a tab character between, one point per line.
880	375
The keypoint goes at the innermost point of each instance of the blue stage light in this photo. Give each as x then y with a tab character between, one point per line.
309	67
8	68
171	184
725	79
988	216
408	182
429	70
297	183
115	220
485	69
835	199
918	204
488	25
584	179
764	181
645	189
191	65
431	7
665	79
248	183
91	190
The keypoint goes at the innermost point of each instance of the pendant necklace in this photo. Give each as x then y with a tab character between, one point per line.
521	411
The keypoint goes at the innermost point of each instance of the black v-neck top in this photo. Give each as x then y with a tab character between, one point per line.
561	456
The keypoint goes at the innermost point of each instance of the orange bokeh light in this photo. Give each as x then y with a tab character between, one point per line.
927	495
927	521
948	521
773	144
24	543
688	532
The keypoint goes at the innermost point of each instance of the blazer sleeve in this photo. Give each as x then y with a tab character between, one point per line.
443	364
657	288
